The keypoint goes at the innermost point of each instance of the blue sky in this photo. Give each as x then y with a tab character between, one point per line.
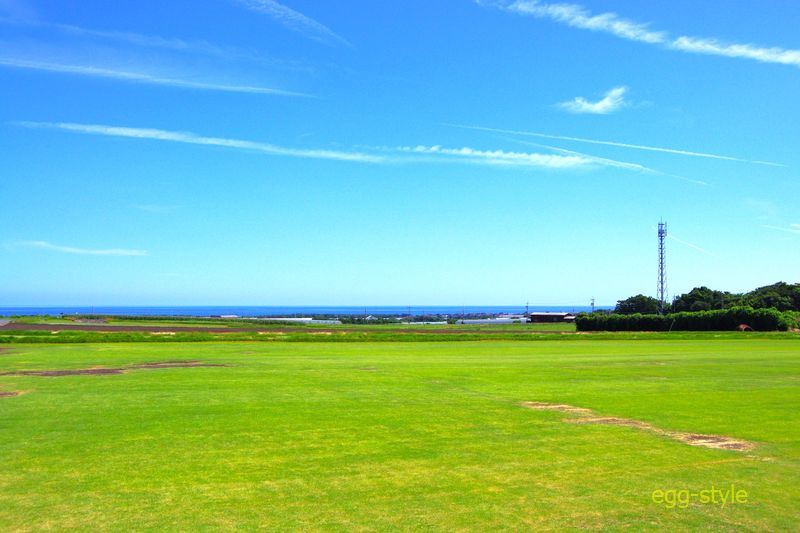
363	153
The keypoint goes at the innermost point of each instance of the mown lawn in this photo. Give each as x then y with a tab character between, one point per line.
398	436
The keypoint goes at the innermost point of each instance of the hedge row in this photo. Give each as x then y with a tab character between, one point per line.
719	320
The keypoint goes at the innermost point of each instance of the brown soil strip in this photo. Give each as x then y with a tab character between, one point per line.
613	421
562	407
712	441
8	393
587	416
175	364
110	371
60	373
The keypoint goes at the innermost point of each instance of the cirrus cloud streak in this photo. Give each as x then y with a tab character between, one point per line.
295	21
405	154
139	77
501	157
118	252
577	16
192	138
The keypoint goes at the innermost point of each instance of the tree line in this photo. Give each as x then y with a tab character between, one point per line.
729	319
781	296
769	308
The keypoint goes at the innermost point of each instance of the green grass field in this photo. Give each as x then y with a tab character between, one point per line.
264	324
399	436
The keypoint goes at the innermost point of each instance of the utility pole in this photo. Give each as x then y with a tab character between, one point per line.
662	267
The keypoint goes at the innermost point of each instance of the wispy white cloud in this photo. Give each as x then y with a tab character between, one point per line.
792	228
138	39
612	101
618	144
192	138
744	51
577	16
120	252
500	157
153	41
565	159
295	20
139	77
411	153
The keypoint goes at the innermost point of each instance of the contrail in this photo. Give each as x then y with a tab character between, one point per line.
690	245
617	144
610	162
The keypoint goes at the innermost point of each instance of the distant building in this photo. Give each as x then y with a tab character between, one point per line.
551	317
297	320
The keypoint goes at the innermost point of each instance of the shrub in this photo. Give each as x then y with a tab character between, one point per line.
717	320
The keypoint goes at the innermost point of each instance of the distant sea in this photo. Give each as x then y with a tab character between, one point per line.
272	311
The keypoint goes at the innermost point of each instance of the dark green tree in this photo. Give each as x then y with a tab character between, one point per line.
704	299
640	303
782	296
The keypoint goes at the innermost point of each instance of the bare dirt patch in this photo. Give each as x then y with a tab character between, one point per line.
562	407
611	421
110	371
9	393
176	364
60	373
713	441
587	416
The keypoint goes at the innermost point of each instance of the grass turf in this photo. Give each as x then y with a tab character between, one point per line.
407	436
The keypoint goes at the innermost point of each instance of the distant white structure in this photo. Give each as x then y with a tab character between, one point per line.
503	320
299	320
521	319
